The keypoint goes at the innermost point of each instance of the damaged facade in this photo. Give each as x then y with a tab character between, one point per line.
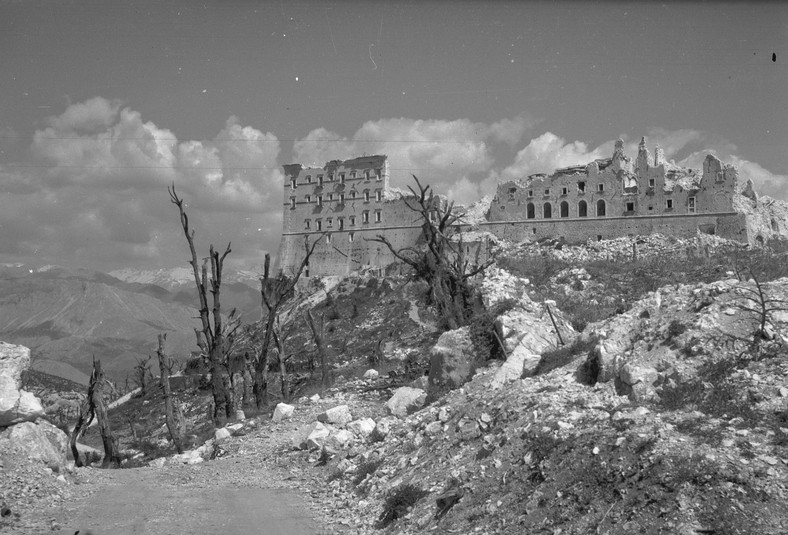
346	203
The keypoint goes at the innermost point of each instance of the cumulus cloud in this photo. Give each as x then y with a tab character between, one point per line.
95	190
548	152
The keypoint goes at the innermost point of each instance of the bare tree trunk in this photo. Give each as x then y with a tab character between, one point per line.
96	395
174	425
285	387
83	422
317	334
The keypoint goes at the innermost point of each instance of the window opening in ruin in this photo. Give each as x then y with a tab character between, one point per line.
530	211
308	179
668	204
652	182
600	187
598	237
328	238
564	191
530	193
650	207
353	194
581	187
547	210
330	177
319	180
341	178
377	216
600	208
341	198
582	209
547	191
350	237
320	200
341	222
366	195
564	209
534	230
352	174
330	196
365	216
329	222
366	174
319	224
307	224
308	199
691	205
379	173
630	207
292	203
293	183
378	195
352	221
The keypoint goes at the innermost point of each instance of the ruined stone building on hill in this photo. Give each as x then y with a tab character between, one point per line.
346	203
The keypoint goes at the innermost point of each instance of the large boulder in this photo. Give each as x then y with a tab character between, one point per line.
282	411
528	325
362	428
405	401
339	415
33	442
520	363
452	361
13	361
311	436
17	406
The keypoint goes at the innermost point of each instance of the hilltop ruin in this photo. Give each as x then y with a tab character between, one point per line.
346	203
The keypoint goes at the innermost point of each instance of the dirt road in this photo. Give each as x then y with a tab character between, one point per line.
208	498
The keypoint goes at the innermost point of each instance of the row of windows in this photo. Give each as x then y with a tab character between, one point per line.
581	188
601	208
341	221
353	175
341	197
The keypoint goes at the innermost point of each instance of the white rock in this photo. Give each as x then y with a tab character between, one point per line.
371	374
311	436
221	435
234	427
32	441
363	427
283	411
14	360
315	398
339	415
338	440
514	367
158	463
17	406
405	401
383	428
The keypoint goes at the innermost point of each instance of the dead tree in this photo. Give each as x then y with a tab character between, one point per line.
274	293
94	405
440	262
211	338
172	412
317	335
142	373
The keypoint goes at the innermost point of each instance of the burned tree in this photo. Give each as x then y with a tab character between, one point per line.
211	339
172	410
93	405
317	335
440	262
274	293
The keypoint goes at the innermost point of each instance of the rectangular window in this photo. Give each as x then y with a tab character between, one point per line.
350	237
379	174
366	174
366	195
668	204
320	200
319	224
630	207
341	222
378	216
581	187
564	191
651	182
353	174
352	221
307	224
600	187
378	195
365	216
353	194
547	191
330	177
328	239
329	223
691	205
308	199
341	198
292	203
308	179
341	178
530	193
330	196
293	183
320	180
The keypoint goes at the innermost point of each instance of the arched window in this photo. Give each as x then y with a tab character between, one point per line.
582	209
600	208
564	209
547	210
530	211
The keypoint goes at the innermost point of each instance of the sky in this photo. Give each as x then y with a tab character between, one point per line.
105	103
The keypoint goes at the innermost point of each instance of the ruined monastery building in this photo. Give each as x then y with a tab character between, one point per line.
347	203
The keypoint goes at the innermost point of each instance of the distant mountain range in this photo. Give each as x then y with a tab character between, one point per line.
67	316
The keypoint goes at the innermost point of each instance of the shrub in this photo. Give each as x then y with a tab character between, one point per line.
555	358
398	502
364	469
